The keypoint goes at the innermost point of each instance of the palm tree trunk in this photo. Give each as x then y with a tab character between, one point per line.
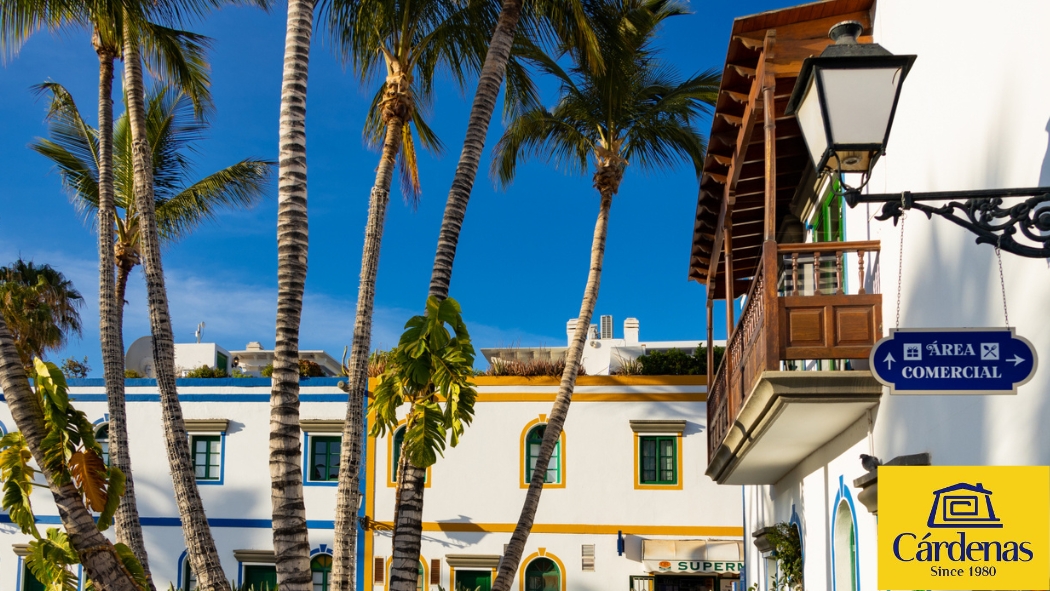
123	272
204	558
556	420
492	72
353	428
408	527
408	523
101	563
290	536
128	527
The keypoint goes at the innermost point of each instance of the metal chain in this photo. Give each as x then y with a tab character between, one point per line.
1002	283
900	270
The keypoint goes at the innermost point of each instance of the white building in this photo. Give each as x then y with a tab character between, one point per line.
973	114
627	502
630	467
189	356
603	354
228	424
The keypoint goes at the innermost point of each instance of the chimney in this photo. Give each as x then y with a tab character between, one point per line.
570	329
606	327
630	331
254	346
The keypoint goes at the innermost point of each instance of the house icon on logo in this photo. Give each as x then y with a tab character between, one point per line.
963	506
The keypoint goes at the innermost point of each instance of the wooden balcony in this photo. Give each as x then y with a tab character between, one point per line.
803	337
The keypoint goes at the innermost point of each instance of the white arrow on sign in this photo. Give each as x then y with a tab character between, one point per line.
1016	360
889	360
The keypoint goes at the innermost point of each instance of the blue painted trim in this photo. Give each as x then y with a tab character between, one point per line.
176	522
322	549
205	398
306	464
3	429
99	422
80	577
797	522
224	382
18	575
182	568
843	494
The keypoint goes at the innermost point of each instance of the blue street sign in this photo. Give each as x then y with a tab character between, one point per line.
953	361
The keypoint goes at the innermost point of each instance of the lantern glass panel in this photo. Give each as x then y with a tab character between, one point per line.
859	103
811	121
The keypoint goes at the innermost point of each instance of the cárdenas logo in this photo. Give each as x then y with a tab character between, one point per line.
964	527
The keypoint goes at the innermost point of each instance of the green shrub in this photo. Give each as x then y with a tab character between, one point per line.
76	369
237	373
131	374
533	367
677	363
206	371
787	549
307	369
310	369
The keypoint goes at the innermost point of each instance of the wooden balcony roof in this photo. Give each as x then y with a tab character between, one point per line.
737	129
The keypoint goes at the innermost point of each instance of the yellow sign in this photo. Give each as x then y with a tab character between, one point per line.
964	527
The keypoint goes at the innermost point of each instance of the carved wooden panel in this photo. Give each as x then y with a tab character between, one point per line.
830	327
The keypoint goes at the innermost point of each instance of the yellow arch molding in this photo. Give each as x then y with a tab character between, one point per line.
541	553
523	455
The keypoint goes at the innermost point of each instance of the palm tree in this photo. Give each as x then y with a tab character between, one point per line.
634	110
74	147
410	42
181	207
203	555
41	308
102	564
563	20
290	542
179	56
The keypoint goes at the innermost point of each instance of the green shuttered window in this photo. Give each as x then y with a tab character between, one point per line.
659	463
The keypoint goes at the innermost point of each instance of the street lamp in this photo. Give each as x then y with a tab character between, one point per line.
845	99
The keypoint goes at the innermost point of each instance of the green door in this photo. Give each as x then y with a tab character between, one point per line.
472	580
260	577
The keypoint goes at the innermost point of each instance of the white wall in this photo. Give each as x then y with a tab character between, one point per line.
244	494
973	114
479	482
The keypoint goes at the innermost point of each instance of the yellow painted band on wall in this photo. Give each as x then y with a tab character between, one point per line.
580	528
592	381
590	397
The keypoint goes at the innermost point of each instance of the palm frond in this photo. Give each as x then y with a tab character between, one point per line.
241	185
19	20
180	58
633	103
72	147
408	166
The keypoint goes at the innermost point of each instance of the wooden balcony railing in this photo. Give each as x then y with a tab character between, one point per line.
798	312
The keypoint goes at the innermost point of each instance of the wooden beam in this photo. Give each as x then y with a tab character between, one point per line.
736	96
743	138
769	111
710	337
723	160
718	178
730	119
729	275
743	71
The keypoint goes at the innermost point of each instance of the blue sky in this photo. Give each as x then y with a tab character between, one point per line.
523	255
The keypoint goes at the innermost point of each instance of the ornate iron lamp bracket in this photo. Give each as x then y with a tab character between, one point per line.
980	212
